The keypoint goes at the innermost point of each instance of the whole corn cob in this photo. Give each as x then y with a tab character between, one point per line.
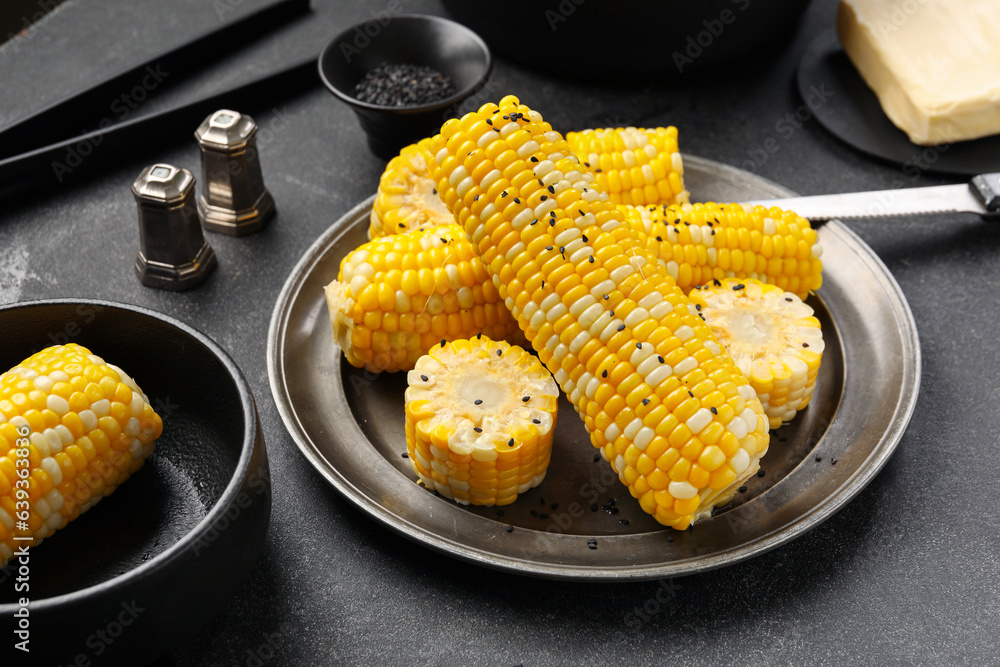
666	406
480	416
632	165
398	295
773	337
407	198
85	427
703	242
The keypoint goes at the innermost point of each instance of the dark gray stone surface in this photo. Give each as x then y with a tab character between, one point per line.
907	573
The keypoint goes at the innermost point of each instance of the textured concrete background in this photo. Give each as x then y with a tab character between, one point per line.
907	573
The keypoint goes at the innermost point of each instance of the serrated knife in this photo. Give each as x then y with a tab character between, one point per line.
980	196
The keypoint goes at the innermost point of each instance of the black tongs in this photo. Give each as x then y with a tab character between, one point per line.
47	147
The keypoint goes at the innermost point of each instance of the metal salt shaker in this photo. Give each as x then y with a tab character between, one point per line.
233	200
173	252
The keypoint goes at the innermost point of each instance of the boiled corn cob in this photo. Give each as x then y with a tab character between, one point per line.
664	404
85	427
398	295
480	416
773	337
407	198
702	242
632	165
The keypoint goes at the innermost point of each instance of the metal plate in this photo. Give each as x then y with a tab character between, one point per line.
349	424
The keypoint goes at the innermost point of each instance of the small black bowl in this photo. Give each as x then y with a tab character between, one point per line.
154	562
448	47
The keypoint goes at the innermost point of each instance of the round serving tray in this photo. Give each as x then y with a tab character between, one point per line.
348	423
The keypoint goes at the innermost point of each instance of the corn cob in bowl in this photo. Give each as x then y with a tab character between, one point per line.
85	427
665	405
772	335
480	417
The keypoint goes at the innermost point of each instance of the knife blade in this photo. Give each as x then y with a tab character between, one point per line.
980	196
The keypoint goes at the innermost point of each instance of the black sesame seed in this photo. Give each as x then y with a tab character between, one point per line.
606	297
788	298
554	506
714	411
552	221
623	522
597	457
402	225
526	398
479	335
833	461
405	455
535	221
543	515
805	344
477	429
548	247
536	421
552	189
444	240
645	401
479	401
638	346
697	306
544	197
591	258
533	513
489	121
562	249
715	281
819	458
443	341
670	538
503	194
476	198
760	473
659	358
499	352
534	159
499	514
611	502
613	510
659	238
593	508
424	378
604	373
584	238
738	287
743	489
621	327
516	200
510	443
510	529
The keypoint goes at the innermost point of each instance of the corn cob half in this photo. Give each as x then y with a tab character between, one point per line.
773	337
633	165
85	426
699	243
666	406
407	198
480	416
398	295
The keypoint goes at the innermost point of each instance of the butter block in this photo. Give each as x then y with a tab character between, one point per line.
934	64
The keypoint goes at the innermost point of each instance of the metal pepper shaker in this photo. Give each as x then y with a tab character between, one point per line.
233	200
173	252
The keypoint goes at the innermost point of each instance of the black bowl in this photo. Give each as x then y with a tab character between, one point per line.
617	42
448	47
155	561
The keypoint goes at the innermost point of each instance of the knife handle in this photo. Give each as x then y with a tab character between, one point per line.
987	188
